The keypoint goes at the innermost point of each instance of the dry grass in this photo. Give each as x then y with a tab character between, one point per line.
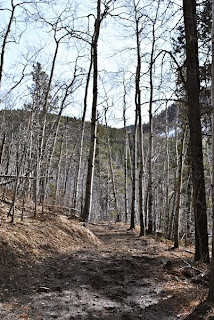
49	234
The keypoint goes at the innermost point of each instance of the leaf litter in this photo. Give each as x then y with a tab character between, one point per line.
55	267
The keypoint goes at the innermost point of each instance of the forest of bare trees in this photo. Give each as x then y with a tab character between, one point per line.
106	112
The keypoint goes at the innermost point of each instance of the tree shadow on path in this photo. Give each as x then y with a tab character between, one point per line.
122	280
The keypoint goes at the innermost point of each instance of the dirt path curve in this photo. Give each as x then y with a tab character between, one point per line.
124	278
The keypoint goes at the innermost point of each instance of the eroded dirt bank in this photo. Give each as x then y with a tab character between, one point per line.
120	277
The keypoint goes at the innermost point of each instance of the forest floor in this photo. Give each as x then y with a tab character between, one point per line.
57	268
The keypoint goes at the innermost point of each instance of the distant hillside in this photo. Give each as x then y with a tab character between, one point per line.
29	141
160	120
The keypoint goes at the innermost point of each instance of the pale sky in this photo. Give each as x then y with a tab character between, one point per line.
117	55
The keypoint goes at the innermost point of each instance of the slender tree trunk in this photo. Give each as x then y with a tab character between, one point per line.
140	126
134	175
126	156
7	158
118	219
65	162
178	189
141	176
90	174
146	205
67	172
150	177
174	196
79	164
30	158
193	91
126	174
2	148
166	198
5	40
20	159
211	279
42	143
36	177
57	182
126	207
188	207
171	217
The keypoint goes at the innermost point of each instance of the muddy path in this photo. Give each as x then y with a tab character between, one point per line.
126	277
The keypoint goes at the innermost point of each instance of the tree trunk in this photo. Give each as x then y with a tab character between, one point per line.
5	39
188	207
140	126
118	219
178	189
150	177
90	174
126	156
2	148
211	279
193	91
134	175
79	165
20	160
167	184
57	181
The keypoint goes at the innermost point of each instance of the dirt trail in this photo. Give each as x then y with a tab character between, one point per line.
126	277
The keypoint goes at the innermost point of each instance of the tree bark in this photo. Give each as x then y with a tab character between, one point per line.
193	91
90	174
140	135
211	279
126	156
2	148
79	165
5	39
151	217
118	218
134	175
167	184
178	189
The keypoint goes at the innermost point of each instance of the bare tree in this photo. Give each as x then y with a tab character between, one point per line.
89	183
181	159
79	162
125	154
118	219
91	158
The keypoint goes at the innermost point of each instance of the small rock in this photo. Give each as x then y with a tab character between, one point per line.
43	289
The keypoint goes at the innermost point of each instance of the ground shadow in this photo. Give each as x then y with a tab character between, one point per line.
91	284
203	311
